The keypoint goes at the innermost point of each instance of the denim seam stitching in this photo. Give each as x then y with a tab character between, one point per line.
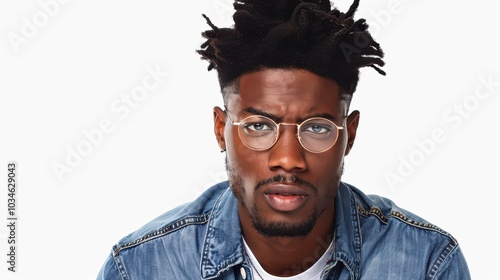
193	220
219	268
121	268
448	250
375	211
402	217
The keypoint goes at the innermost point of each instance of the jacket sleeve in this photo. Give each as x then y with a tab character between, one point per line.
109	270
454	267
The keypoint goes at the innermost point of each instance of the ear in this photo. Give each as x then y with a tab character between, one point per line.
352	127
219	125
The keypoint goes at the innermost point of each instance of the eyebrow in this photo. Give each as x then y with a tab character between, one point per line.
255	111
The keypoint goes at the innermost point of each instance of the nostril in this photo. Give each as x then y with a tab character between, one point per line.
287	154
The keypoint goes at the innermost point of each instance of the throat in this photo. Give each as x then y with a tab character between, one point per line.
285	256
288	257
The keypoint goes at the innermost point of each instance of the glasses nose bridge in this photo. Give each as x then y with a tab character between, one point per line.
278	130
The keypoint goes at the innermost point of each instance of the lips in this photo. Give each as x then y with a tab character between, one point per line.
285	197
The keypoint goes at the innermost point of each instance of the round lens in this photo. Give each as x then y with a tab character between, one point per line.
318	134
258	132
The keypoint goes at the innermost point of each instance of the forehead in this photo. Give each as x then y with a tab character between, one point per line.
288	93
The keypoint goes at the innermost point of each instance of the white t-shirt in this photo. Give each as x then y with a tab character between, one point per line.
313	273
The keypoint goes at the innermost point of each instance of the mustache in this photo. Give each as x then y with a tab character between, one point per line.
286	179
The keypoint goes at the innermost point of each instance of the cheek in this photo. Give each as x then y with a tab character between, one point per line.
338	153
248	164
245	162
327	171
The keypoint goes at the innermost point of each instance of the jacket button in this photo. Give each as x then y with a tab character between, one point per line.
243	273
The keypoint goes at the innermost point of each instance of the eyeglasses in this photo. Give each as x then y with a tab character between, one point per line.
260	133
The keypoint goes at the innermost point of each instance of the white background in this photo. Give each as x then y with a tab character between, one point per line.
64	76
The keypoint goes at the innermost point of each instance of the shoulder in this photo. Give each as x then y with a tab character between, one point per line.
167	243
398	237
192	213
384	210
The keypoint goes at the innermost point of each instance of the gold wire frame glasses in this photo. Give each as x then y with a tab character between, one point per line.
260	133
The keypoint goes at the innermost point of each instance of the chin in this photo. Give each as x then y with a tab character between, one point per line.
284	228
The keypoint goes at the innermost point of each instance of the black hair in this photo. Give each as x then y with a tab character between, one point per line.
300	34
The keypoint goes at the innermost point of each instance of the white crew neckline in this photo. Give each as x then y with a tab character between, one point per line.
312	273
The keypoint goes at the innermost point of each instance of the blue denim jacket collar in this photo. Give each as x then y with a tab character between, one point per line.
222	247
348	239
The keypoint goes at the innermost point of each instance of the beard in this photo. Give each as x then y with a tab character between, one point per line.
282	229
259	222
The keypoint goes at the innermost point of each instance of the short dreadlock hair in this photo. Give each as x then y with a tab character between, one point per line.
304	34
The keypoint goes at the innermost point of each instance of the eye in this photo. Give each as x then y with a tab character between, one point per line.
318	129
258	126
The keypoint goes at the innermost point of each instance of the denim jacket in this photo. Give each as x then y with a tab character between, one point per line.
374	239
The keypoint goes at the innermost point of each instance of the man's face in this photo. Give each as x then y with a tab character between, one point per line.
285	190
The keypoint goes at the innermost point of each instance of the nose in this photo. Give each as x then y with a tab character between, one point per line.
287	153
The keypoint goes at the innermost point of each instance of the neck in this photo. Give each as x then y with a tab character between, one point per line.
288	256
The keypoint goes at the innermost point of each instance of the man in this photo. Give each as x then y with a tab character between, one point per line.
287	70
